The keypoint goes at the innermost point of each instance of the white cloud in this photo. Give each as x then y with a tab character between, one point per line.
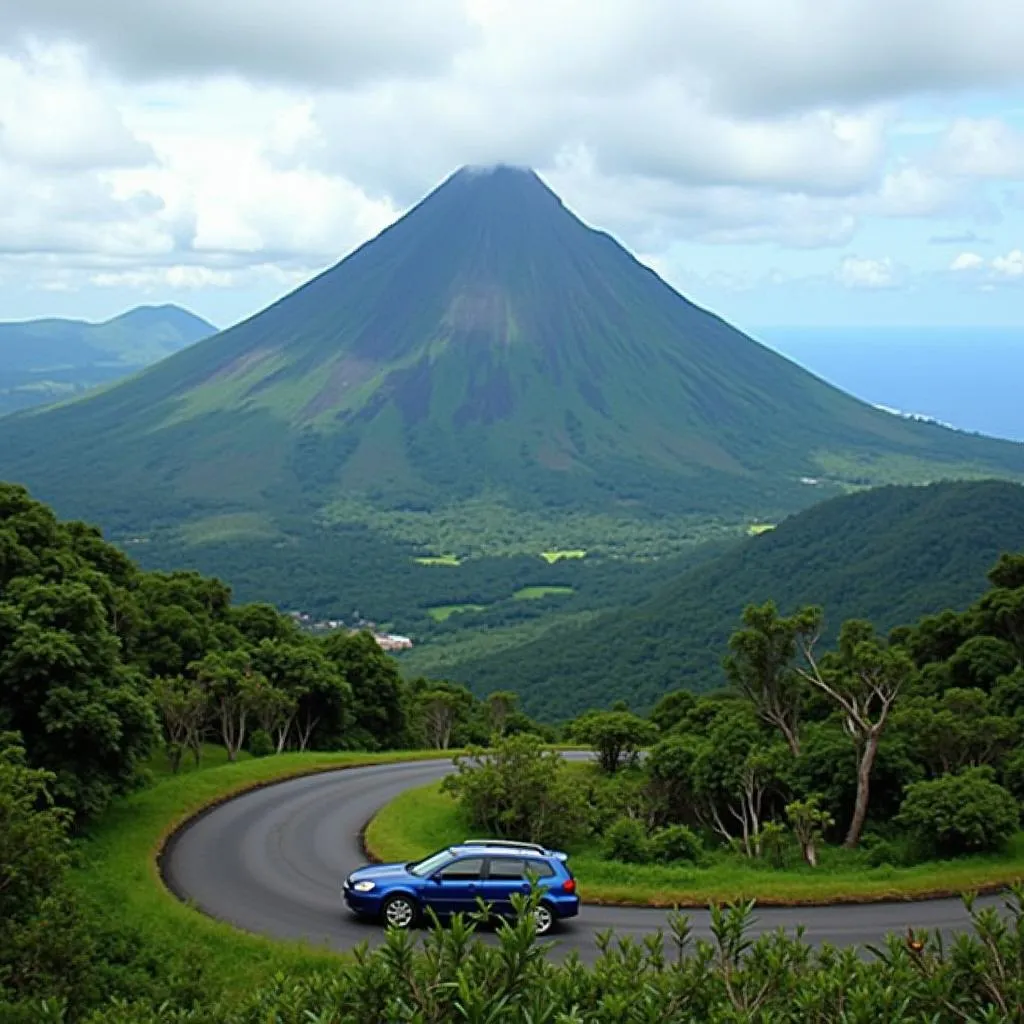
990	272
1011	265
982	148
138	136
967	261
310	41
855	272
54	117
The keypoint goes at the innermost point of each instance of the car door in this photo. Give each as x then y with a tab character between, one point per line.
455	888
505	876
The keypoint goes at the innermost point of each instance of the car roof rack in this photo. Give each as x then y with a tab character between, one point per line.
511	844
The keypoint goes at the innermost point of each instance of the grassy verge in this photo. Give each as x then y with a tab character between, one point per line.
118	867
424	819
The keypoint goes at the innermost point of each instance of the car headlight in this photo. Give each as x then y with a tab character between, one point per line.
363	886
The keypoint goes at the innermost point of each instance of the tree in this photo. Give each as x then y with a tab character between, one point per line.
760	666
231	686
310	692
669	769
379	698
808	822
964	813
672	710
440	713
733	773
500	705
80	711
518	790
34	846
958	730
185	710
617	736
863	679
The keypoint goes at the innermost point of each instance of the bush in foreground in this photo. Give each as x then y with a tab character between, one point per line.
725	980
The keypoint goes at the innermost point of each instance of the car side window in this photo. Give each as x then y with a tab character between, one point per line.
506	869
540	868
468	869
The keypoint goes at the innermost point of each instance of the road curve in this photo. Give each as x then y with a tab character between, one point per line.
272	861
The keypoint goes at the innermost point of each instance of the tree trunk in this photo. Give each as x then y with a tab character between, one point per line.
791	738
810	853
283	731
860	807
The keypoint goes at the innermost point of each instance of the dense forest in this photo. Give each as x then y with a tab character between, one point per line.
888	555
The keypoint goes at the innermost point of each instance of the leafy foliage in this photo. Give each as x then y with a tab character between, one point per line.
518	790
967	812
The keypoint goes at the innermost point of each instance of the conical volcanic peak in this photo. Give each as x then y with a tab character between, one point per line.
486	343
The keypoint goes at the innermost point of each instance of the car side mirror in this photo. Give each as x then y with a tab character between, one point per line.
436	879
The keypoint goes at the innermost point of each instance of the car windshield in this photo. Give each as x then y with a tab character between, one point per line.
434	862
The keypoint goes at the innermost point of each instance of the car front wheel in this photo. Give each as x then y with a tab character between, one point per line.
399	912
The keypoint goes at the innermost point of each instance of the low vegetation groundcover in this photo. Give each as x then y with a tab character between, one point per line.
426	818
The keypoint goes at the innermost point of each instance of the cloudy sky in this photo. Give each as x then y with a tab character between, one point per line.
782	161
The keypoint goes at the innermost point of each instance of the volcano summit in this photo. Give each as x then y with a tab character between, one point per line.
487	355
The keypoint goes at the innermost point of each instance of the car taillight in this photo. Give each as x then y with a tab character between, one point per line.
569	885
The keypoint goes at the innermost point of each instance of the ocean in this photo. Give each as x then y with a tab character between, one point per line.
970	378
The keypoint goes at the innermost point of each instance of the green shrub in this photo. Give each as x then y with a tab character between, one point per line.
675	843
260	743
628	842
519	790
965	813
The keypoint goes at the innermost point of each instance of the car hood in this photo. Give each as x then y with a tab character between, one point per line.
378	871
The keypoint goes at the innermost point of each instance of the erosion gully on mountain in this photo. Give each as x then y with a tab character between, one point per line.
272	862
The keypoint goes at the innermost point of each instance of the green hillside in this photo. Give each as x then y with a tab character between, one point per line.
46	360
489	377
889	555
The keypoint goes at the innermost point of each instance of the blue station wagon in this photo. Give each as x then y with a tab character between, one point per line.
451	880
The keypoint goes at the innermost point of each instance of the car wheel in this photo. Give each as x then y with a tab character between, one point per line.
399	912
543	919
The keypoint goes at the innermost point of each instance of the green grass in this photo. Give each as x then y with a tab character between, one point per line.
118	864
443	612
556	556
451	560
211	756
232	526
424	819
756	529
535	593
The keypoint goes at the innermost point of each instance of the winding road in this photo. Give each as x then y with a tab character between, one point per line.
272	861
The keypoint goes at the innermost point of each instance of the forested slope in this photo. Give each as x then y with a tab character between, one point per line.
889	555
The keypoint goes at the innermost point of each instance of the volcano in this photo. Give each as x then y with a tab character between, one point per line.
488	350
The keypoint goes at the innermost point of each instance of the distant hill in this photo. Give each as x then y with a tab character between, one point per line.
889	555
489	376
45	360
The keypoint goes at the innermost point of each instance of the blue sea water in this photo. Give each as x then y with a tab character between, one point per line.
970	378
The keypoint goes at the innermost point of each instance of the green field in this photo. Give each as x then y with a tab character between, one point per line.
756	529
534	593
424	819
451	560
443	612
556	556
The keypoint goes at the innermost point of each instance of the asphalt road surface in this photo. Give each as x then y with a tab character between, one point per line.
272	861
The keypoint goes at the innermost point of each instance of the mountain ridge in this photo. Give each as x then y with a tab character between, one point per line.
486	345
49	358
